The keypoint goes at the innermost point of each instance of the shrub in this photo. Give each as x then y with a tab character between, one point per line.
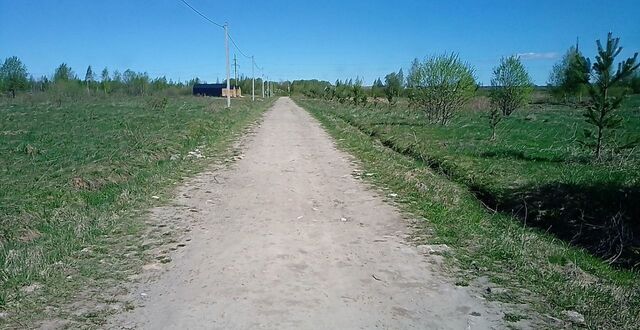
442	85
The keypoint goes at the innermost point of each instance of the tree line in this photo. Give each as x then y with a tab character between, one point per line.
64	81
442	85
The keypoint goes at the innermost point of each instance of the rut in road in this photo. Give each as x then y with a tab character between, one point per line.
287	238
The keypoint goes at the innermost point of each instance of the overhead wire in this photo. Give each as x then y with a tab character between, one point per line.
202	15
222	26
243	54
237	48
256	65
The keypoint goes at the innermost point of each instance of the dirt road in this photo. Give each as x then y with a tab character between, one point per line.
287	238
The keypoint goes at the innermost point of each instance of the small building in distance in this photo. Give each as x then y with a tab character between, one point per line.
216	90
208	89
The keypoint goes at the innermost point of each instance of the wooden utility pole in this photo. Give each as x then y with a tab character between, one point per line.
226	45
235	70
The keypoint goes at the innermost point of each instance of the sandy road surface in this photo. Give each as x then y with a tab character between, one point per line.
287	238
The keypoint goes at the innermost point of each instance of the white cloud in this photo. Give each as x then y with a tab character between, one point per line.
538	56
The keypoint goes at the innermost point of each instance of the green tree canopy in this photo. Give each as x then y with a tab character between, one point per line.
377	88
89	76
13	75
511	85
104	76
567	76
442	85
511	88
358	94
63	73
393	85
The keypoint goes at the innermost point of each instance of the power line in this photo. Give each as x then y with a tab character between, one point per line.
219	25
202	15
238	48
256	65
227	39
253	66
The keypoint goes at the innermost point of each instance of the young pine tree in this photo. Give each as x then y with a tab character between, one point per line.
601	113
88	78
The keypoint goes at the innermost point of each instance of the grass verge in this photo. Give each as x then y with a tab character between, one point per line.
536	171
76	180
536	268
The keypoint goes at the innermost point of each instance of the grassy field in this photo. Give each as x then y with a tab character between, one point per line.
497	202
75	178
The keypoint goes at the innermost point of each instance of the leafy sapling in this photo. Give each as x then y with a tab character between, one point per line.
511	89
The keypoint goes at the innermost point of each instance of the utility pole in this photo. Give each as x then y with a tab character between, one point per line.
226	45
253	82
263	85
235	70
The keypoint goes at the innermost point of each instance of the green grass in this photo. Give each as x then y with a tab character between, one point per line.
78	176
439	173
537	170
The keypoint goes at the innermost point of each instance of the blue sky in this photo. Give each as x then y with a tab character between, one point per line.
305	39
